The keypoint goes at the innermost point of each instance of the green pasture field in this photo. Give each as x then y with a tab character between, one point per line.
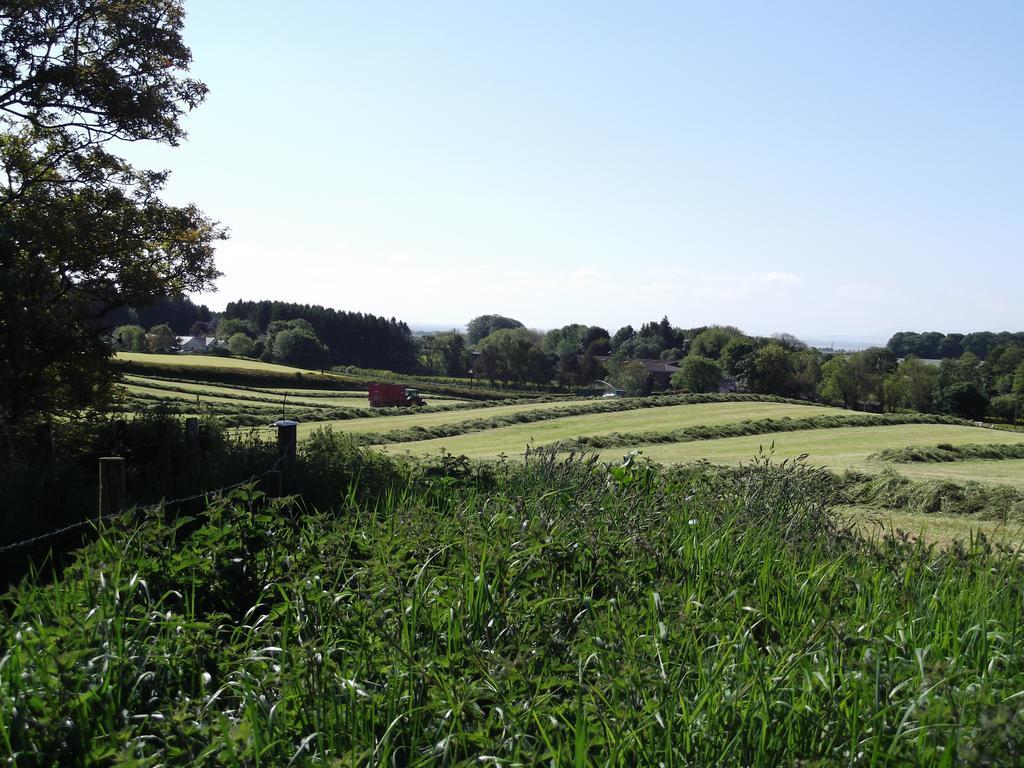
205	400
387	423
998	471
214	361
239	396
933	528
514	439
320	393
834	448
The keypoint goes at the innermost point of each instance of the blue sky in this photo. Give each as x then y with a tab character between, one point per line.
828	169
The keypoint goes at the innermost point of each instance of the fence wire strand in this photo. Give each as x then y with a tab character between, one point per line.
158	505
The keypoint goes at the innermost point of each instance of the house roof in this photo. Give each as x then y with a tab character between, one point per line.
659	366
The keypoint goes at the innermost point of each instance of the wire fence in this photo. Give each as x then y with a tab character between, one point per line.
92	521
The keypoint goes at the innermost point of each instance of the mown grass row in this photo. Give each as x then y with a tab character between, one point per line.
548	612
192	387
948	452
235	415
885	490
751	427
892	491
416	433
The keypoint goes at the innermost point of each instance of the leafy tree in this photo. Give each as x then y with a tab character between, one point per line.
444	353
130	338
454	355
591	369
299	347
624	334
353	338
82	232
711	342
646	347
837	385
479	328
697	374
230	326
965	399
241	345
515	355
568	371
895	391
568	338
772	371
789	341
161	338
921	381
1005	408
737	354
633	378
597	338
181	313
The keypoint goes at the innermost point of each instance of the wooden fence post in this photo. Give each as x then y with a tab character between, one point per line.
270	484
286	439
112	495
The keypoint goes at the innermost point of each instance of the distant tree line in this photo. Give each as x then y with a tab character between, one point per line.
713	358
936	346
183	316
351	338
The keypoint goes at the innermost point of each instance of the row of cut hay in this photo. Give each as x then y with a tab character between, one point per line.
947	452
753	427
255	377
885	490
416	433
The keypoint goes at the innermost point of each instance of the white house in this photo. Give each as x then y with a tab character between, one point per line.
196	344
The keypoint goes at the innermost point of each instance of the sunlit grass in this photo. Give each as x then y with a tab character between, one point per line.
551	613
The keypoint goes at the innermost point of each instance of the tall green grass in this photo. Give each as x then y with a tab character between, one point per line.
548	612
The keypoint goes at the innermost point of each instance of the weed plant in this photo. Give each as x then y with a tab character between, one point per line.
551	611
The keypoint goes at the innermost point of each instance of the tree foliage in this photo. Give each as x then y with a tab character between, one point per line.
241	345
515	355
479	328
161	339
697	374
353	338
130	338
82	232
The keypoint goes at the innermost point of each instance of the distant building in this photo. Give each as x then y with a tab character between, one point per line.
661	372
197	344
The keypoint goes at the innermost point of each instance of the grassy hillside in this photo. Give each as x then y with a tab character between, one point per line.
212	361
837	448
513	440
553	613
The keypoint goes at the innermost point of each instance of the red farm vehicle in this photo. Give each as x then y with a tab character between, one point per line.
394	395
